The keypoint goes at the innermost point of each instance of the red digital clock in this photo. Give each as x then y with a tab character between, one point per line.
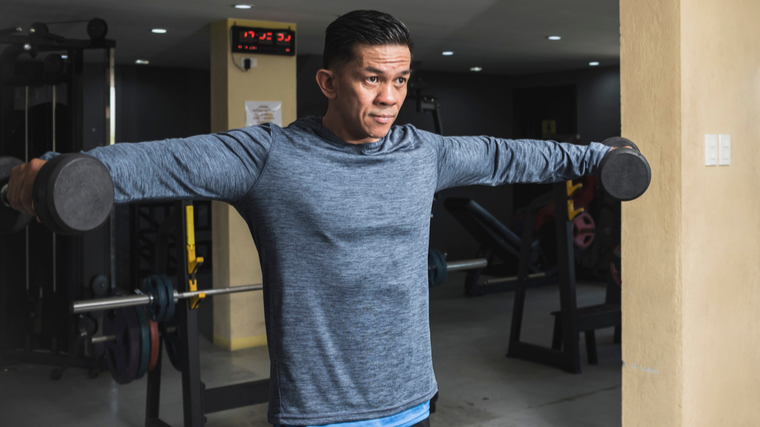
263	41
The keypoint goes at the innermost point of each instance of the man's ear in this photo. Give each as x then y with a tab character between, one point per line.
326	79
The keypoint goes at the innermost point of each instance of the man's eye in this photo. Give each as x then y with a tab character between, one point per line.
401	80
372	79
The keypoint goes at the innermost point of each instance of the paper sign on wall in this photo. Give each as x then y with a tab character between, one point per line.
258	112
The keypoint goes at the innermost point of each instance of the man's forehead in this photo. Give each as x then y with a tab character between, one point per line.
383	56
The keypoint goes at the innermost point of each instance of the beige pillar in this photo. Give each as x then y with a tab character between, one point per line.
239	318
691	245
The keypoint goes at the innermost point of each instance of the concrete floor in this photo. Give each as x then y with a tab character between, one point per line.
479	386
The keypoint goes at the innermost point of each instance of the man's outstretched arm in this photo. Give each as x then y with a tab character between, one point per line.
491	161
222	166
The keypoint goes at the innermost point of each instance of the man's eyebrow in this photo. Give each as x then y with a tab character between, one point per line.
379	71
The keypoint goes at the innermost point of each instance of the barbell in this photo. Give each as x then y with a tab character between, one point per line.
154	297
131	325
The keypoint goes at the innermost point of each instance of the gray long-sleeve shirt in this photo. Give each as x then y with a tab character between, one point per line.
342	233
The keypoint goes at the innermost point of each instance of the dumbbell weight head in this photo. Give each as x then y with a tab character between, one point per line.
73	194
620	142
624	173
11	220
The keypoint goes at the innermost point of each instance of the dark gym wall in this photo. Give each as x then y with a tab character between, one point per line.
158	103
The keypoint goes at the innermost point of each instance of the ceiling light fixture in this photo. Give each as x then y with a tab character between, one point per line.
243	6
142	61
593	64
447	53
554	38
476	69
158	31
64	56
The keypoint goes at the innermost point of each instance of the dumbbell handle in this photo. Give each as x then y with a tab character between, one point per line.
135	300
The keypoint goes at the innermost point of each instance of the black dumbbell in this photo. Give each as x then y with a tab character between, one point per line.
72	194
624	173
11	220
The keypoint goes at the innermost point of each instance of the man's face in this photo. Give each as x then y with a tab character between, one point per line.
370	91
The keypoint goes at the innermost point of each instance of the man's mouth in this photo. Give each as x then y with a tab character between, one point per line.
383	118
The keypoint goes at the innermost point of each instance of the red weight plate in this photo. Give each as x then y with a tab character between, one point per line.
583	231
155	342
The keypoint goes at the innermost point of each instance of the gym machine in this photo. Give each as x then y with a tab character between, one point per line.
43	108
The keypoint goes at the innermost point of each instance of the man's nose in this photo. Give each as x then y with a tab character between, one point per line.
387	95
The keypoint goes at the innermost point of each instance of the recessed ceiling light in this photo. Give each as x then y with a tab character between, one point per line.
64	56
593	64
476	69
158	31
554	38
447	53
142	61
243	6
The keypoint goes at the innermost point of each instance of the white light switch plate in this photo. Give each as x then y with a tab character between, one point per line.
724	158
711	150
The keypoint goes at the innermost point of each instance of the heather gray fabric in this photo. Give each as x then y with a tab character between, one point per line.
342	233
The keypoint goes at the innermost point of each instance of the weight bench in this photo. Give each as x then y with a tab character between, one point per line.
590	319
496	241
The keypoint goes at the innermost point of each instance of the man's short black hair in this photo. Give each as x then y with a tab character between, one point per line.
368	27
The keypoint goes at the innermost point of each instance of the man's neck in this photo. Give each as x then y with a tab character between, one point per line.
334	124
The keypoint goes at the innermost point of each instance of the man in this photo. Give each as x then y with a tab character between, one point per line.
339	209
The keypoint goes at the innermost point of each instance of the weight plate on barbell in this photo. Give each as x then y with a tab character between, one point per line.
123	353
144	342
171	341
155	343
169	288
437	270
11	220
154	286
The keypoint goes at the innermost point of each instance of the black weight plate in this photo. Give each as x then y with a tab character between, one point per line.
100	285
97	29
624	174
437	270
54	64
11	220
619	141
153	286
144	342
171	342
77	192
122	354
169	288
